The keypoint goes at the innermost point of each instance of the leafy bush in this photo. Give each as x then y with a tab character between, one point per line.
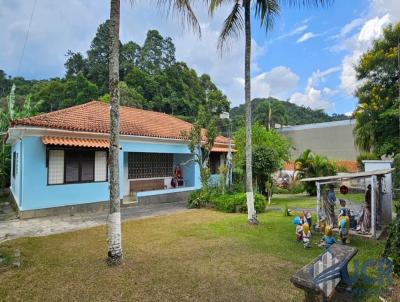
365	156
396	173
295	188
313	165
392	247
236	203
199	199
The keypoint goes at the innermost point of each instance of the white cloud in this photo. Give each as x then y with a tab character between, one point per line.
279	82
313	97
356	46
349	27
307	36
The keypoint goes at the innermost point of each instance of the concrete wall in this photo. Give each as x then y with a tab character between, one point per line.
334	139
32	192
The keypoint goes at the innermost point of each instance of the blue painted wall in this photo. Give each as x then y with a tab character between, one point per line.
16	181
36	194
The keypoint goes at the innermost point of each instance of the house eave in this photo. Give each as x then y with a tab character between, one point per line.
18	132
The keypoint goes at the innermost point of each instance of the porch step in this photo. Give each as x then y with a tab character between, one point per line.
129	200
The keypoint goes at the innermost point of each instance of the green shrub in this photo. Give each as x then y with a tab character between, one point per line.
295	188
396	173
236	203
278	190
199	199
392	247
365	156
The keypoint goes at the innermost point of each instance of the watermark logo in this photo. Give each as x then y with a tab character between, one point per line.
327	273
371	275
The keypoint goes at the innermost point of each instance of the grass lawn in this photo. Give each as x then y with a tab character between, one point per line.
200	255
305	201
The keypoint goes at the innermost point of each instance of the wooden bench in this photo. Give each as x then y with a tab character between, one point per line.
141	185
319	278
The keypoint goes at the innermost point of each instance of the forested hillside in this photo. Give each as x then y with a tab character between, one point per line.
151	78
273	111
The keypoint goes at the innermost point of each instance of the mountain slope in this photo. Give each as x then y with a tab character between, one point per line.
282	112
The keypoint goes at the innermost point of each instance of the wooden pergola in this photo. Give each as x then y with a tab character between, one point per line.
377	195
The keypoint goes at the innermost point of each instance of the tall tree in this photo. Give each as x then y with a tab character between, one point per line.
265	11
114	220
377	113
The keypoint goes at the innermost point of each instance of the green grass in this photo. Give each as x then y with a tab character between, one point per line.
3	198
201	255
305	201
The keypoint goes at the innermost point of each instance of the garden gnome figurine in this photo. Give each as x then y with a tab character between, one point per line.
344	226
306	235
328	239
299	228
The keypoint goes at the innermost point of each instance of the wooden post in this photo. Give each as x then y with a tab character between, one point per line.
318	201
373	206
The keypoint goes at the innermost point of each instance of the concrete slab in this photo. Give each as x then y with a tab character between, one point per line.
43	226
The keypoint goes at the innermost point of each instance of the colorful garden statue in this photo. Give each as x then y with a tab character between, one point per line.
307	217
344	227
343	211
328	239
299	228
306	235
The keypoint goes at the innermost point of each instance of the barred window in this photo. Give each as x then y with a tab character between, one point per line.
149	165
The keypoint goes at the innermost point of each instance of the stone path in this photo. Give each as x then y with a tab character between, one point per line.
15	228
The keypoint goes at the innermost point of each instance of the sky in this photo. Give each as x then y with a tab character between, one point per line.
307	59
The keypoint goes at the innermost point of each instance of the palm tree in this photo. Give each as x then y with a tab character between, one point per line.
265	11
114	220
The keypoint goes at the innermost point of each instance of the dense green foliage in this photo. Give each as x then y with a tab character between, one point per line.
270	151
313	165
365	156
396	173
392	247
151	78
201	146
283	113
26	110
236	203
377	114
229	203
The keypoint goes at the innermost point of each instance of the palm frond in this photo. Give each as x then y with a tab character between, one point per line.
184	8
305	3
213	5
266	11
233	25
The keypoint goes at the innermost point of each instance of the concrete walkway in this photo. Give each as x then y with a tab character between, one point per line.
15	228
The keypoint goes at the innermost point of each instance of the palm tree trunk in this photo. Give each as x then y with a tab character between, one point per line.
114	221
251	213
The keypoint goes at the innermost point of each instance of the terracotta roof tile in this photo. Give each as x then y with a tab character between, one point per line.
75	142
350	165
94	116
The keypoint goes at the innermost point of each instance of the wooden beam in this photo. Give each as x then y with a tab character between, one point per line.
318	201
373	206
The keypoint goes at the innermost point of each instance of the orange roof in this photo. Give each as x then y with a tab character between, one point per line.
223	149
350	165
75	142
289	166
94	116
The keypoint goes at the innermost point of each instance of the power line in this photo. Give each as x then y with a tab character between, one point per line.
26	36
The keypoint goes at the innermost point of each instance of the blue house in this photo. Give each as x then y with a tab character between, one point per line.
59	159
